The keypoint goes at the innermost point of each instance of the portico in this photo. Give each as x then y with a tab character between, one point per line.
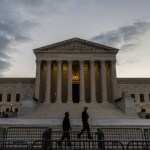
75	71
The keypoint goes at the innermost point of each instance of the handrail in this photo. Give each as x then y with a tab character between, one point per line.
77	144
138	145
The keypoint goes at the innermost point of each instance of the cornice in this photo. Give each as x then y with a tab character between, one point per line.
75	45
17	80
133	80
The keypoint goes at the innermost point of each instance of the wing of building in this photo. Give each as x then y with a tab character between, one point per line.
72	74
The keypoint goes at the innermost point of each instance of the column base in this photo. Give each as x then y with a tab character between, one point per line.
58	102
46	102
83	103
105	102
95	102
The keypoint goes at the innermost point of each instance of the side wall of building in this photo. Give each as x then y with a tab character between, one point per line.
13	91
139	90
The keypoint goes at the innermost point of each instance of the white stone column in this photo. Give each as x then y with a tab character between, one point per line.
37	79
48	83
104	82
58	98
82	95
92	80
69	82
113	79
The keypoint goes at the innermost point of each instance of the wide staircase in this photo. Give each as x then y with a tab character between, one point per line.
45	138
96	110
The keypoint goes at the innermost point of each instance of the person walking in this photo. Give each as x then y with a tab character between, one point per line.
85	117
66	128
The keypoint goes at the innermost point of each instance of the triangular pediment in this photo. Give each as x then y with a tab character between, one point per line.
75	45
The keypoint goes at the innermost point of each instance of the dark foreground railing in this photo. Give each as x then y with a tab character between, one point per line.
147	134
14	145
45	138
77	145
56	135
124	135
73	145
29	134
138	145
2	137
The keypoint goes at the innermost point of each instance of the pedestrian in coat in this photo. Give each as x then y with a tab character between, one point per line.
66	128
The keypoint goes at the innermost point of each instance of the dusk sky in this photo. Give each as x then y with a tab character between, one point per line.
29	24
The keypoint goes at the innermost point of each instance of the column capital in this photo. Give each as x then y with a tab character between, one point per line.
113	61
70	61
38	61
92	61
81	61
59	61
48	61
102	61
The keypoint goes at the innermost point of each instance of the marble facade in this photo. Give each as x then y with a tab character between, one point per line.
75	66
77	72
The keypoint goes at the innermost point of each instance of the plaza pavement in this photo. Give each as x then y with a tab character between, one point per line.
75	123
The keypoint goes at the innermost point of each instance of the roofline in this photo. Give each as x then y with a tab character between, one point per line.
66	41
133	80
17	80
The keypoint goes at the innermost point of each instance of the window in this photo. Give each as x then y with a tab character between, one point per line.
141	97
0	97
7	109
8	97
16	109
17	97
133	96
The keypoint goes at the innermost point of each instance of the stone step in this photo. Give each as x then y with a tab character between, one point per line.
57	110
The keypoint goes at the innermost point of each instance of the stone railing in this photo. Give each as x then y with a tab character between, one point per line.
126	104
119	103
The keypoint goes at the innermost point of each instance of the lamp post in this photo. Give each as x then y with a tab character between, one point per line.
11	107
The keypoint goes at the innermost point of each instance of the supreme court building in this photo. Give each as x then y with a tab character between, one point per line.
75	71
70	75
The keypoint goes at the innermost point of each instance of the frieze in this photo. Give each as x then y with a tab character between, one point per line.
77	56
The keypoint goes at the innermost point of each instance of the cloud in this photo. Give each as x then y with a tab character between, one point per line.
13	30
128	39
44	8
125	38
18	18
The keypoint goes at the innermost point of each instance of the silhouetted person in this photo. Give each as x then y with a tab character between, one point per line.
66	128
85	117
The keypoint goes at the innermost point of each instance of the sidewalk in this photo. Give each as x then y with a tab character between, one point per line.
8	122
